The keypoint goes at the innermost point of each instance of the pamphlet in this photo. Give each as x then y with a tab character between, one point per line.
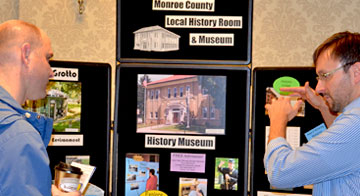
88	171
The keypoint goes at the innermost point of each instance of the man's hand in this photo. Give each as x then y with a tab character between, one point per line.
308	94
56	192
280	112
221	163
315	100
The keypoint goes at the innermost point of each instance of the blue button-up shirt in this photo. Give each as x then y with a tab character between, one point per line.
330	161
24	162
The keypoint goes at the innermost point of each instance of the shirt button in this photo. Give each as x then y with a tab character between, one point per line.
27	115
38	116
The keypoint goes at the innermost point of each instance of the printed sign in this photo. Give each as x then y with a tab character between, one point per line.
65	74
315	131
184	5
187	162
180	142
66	140
224	22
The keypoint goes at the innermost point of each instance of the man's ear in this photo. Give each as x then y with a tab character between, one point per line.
25	53
356	71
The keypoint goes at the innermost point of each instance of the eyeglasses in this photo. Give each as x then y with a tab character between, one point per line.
326	76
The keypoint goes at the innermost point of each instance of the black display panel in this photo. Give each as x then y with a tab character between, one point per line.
181	31
265	80
85	87
180	159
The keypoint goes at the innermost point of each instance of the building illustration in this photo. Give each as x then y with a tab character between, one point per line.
155	38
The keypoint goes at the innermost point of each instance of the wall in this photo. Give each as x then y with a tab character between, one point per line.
286	32
9	9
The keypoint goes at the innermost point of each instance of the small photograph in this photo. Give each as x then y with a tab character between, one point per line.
226	174
192	187
83	159
134	186
131	177
181	104
62	103
142	173
272	94
133	168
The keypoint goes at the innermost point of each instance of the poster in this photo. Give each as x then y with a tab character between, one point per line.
185	31
137	172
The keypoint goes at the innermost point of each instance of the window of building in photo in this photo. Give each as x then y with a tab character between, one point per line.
204	112
212	112
157	94
181	91
204	91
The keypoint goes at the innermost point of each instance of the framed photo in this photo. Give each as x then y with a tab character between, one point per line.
181	104
62	103
141	173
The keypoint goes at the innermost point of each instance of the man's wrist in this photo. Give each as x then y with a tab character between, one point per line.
277	129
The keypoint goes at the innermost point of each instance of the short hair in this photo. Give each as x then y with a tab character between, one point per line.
344	46
231	161
152	171
10	34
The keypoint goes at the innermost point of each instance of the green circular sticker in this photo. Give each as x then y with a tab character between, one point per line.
285	81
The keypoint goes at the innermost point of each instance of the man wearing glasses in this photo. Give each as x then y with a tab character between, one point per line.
331	160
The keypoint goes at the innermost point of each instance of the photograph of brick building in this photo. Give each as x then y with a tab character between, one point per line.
189	104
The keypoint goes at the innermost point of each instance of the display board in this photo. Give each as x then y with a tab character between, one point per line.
190	125
184	31
266	82
78	100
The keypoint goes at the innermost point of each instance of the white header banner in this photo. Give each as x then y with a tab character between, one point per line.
216	22
65	74
66	140
184	5
180	142
211	39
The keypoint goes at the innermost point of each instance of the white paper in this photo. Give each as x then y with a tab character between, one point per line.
87	170
292	136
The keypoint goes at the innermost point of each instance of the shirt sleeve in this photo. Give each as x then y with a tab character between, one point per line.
332	154
24	162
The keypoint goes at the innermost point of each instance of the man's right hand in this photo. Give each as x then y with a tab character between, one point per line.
308	94
314	99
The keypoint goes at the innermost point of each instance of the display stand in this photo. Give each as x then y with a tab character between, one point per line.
180	134
79	103
262	80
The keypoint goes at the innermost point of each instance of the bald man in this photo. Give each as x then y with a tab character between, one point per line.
25	51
